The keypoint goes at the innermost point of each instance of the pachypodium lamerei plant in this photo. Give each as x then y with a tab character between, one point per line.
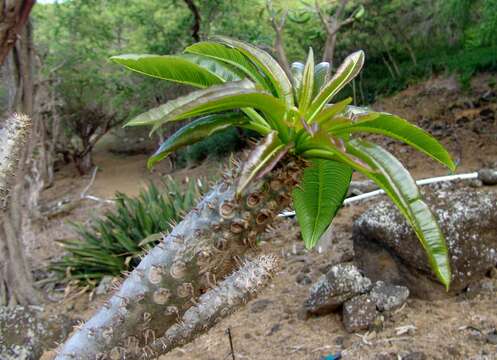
310	147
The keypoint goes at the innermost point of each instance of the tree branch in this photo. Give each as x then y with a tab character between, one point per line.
13	17
278	45
196	19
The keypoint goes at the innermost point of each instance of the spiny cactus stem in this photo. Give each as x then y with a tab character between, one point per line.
214	305
13	137
171	278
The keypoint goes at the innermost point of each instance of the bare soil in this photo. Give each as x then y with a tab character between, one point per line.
272	326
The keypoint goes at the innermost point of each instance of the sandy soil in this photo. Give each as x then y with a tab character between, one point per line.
271	326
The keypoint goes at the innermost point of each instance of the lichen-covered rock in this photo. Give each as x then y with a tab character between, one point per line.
388	297
387	248
359	313
341	283
488	176
25	332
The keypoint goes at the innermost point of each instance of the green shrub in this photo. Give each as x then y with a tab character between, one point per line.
218	146
115	242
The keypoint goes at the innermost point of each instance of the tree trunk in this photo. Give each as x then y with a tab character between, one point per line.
84	162
205	247
16	283
13	15
329	49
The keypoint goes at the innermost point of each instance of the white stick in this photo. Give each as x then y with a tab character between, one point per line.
368	195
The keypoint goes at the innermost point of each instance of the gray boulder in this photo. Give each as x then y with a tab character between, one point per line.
341	283
26	332
359	313
388	297
387	249
488	176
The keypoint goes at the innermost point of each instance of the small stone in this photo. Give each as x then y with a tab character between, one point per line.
303	279
492	338
275	328
340	284
493	273
389	297
488	176
339	340
386	356
475	183
359	313
415	355
260	305
104	285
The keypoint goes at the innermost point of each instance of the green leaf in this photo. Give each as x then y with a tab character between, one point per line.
351	66
401	188
330	111
262	159
321	76
399	129
297	70
172	68
319	197
222	70
218	98
232	57
268	65
307	83
195	131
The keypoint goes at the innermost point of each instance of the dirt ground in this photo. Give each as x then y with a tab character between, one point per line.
271	326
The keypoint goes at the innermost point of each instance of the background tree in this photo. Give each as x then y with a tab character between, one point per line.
18	144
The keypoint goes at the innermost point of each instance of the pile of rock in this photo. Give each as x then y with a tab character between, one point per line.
26	331
387	249
345	288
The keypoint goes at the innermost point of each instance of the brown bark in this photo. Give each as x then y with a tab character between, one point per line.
13	16
16	282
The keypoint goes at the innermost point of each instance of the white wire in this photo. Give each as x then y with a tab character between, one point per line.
427	181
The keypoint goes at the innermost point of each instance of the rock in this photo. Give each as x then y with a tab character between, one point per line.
260	305
491	338
359	313
386	356
274	329
26	332
387	248
340	284
475	183
488	176
303	279
415	355
388	297
104	285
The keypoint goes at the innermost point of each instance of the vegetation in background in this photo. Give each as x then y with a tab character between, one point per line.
116	241
404	41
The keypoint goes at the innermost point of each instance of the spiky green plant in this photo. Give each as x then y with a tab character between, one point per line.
244	86
114	243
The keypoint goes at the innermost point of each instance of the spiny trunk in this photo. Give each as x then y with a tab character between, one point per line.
204	247
215	304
